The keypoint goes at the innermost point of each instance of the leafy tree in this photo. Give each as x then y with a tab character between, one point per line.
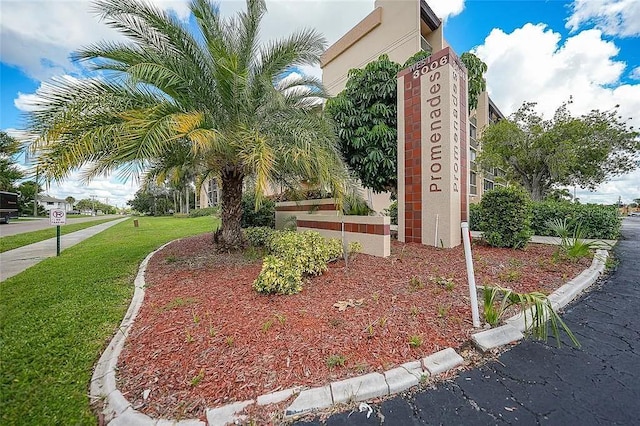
95	205
152	199
142	202
475	77
209	84
561	151
365	112
70	200
559	195
28	191
9	172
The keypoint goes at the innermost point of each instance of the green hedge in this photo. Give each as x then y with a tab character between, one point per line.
265	216
475	212
506	217
207	211
597	221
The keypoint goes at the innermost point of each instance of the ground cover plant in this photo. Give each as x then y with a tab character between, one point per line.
204	337
57	317
20	240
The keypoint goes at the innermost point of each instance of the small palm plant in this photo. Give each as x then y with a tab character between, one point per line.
535	319
573	245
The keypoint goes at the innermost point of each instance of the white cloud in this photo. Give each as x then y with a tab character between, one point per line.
38	36
635	73
445	9
26	101
613	17
533	63
626	187
106	189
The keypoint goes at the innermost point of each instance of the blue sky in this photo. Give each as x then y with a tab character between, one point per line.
537	50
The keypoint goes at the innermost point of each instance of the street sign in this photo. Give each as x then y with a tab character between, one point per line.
57	217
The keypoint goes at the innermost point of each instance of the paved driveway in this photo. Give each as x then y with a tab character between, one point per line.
536	383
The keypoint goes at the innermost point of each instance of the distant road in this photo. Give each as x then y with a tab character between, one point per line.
22	226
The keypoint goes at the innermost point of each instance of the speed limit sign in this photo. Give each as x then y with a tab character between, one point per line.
57	217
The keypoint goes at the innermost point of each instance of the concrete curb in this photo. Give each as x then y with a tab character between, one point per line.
118	411
514	327
373	385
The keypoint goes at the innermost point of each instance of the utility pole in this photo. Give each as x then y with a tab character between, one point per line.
35	196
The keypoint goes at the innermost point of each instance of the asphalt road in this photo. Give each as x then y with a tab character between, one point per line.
21	226
536	383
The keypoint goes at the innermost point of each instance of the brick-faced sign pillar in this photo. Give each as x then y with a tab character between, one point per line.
432	151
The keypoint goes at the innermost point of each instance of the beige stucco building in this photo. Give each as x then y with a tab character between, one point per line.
400	29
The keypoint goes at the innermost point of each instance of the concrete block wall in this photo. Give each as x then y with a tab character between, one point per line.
373	232
286	211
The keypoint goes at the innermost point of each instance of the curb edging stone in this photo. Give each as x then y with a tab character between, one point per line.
514	327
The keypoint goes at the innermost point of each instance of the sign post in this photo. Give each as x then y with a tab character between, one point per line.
57	217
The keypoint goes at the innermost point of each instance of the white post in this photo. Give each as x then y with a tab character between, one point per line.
470	274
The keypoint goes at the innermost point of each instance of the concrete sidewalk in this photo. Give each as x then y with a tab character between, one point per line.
13	262
537	239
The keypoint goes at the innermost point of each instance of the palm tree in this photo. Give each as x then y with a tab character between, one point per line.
216	88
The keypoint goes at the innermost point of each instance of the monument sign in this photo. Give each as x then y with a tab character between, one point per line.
432	150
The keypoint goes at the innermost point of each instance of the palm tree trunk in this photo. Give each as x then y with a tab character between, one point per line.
231	212
186	189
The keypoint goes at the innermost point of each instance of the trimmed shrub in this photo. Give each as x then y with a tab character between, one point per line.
475	217
307	250
278	277
265	216
296	254
506	217
258	236
207	211
545	212
599	222
596	221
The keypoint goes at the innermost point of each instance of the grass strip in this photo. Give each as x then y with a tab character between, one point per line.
19	240
57	316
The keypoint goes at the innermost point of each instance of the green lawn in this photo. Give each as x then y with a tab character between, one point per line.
14	241
56	318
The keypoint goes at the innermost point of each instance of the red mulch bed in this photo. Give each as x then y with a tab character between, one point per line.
204	337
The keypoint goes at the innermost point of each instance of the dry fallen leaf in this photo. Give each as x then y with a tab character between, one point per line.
342	305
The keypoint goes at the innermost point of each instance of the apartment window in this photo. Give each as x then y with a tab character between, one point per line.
424	44
49	203
473	188
488	185
472	131
472	159
212	193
